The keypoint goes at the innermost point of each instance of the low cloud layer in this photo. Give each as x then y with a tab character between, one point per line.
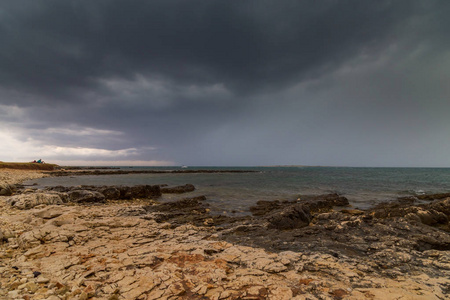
358	83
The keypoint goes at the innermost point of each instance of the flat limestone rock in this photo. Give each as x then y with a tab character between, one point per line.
49	212
27	201
74	251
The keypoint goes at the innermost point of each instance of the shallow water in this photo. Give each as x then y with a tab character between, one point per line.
228	192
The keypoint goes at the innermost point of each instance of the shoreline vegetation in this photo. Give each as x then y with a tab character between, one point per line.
119	242
28	166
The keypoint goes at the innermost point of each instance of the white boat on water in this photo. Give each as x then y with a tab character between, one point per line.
184	167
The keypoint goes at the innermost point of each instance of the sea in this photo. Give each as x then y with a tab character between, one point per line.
235	193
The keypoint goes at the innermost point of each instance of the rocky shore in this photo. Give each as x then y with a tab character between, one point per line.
118	242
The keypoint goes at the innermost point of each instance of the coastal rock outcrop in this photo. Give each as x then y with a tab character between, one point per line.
178	189
186	204
140	191
436	213
185	211
86	196
138	249
378	236
82	194
263	207
429	197
313	203
111	192
6	189
295	216
100	253
30	200
102	193
318	203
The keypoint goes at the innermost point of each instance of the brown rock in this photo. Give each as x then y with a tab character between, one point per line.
338	294
6	189
85	196
295	216
140	192
178	189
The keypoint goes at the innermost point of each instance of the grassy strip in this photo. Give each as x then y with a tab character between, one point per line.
27	166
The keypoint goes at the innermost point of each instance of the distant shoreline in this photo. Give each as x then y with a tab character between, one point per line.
27	166
123	172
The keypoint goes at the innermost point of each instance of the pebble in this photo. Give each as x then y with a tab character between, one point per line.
14	294
36	273
42	279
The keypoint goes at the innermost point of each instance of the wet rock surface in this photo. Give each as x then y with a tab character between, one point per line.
178	189
110	192
407	226
90	193
293	216
135	247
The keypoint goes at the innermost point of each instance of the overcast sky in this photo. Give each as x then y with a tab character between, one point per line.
340	83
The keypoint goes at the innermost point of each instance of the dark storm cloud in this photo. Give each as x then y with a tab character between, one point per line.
224	81
55	48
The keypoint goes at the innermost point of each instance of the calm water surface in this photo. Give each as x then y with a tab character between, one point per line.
225	192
